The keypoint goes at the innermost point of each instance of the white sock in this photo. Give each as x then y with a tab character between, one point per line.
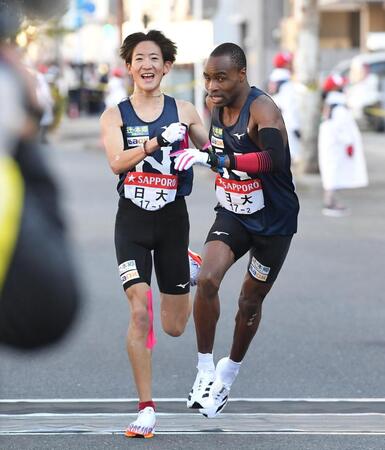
229	372
206	362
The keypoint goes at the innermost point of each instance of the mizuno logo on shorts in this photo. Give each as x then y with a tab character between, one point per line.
182	285
218	233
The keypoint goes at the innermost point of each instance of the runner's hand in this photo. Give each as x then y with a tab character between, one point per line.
173	133
189	156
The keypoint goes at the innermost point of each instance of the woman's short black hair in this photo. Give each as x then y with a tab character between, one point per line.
237	55
167	47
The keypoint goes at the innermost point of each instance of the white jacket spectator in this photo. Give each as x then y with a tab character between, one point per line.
284	94
341	157
116	89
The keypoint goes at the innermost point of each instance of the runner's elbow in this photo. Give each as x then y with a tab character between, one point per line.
115	168
116	165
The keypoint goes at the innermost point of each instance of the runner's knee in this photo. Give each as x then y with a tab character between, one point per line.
250	307
139	320
174	324
208	285
174	330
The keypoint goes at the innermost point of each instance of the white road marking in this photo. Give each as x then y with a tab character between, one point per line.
179	399
367	417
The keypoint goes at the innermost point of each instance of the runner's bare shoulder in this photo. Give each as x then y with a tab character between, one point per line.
111	117
265	113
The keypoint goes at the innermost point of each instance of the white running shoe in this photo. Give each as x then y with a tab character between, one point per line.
144	425
218	393
199	394
195	265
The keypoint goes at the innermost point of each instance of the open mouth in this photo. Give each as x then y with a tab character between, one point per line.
216	98
148	76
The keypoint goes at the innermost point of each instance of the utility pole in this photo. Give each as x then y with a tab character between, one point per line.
255	49
306	68
198	65
120	19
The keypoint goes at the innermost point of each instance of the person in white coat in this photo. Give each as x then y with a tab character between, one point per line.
341	157
116	88
284	93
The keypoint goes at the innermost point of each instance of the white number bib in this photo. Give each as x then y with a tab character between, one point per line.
150	191
242	197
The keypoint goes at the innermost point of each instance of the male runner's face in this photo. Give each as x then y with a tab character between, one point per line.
222	80
147	66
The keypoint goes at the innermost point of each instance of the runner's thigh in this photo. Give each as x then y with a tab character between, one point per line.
170	254
267	256
229	230
133	243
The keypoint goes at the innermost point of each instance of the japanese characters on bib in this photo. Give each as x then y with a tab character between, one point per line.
235	190
150	191
241	197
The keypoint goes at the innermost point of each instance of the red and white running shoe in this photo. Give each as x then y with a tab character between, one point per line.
144	425
195	266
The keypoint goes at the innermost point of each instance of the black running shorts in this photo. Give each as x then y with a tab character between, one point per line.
165	232
267	253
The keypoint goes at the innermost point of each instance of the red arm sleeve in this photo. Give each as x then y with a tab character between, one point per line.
254	162
270	159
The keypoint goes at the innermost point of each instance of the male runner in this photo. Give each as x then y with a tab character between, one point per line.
257	212
138	136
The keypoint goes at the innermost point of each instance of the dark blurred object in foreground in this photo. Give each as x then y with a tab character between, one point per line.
39	297
12	12
39	294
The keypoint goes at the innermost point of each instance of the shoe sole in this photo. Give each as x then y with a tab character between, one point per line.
195	405
217	412
131	434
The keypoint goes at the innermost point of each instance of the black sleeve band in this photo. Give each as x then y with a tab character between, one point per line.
232	164
162	142
271	141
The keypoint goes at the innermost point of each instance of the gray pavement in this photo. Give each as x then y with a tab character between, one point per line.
322	334
178	442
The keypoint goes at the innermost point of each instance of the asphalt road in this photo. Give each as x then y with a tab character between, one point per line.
322	333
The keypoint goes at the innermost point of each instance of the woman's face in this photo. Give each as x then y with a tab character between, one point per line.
147	66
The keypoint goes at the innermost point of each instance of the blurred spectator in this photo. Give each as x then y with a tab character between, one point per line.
284	93
46	102
71	84
341	157
283	60
39	294
116	89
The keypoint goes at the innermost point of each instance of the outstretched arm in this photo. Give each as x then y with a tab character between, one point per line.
267	121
